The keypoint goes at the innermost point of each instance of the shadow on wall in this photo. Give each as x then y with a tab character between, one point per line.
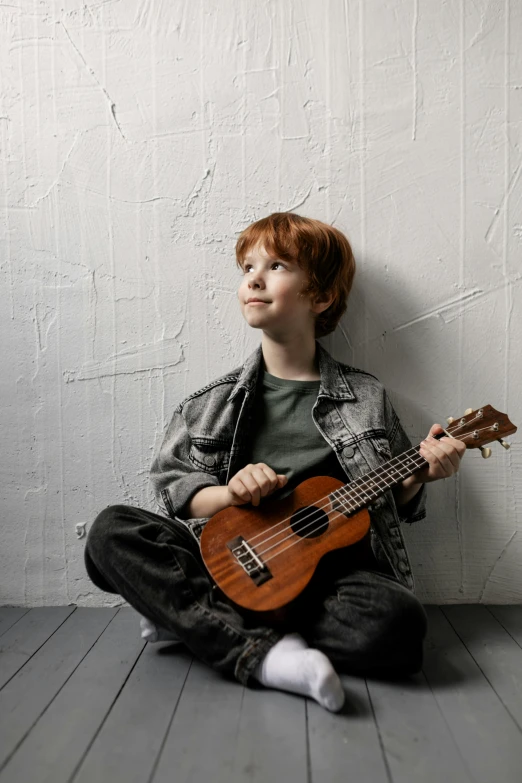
417	354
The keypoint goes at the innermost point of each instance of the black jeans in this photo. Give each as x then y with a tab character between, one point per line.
363	619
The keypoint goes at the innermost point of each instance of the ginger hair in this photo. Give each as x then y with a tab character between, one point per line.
321	250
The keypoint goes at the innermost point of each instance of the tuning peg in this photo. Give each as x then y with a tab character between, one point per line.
468	410
485	452
450	419
504	443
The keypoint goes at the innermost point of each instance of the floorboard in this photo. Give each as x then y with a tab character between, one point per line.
202	738
25	637
347	741
488	738
64	693
130	740
84	700
496	653
9	615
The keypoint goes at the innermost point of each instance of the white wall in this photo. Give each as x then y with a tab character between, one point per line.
138	138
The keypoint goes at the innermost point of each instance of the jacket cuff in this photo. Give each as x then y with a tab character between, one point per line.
178	495
415	509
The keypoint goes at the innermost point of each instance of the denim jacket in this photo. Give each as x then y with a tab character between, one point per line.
206	443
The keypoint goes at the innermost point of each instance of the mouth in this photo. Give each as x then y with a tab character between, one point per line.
256	302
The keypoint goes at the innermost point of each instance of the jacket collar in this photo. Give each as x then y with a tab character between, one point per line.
334	383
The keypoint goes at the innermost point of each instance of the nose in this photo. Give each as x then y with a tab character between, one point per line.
255	280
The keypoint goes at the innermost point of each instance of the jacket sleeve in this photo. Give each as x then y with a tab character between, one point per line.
175	480
415	509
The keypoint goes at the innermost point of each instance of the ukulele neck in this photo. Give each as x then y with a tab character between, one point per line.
364	490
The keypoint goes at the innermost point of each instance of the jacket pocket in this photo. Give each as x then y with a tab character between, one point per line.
209	455
382	449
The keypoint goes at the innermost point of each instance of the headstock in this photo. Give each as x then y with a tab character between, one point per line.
480	426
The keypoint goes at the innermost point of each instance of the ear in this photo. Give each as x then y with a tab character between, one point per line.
322	303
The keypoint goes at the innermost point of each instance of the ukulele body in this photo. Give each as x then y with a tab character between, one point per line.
263	557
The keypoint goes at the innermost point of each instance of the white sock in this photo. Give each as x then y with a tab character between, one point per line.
155	633
290	665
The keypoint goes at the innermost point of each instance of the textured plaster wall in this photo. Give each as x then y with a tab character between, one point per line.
138	138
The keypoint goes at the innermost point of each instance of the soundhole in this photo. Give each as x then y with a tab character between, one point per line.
309	522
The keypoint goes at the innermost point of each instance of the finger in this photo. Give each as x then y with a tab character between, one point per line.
436	455
270	474
458	447
252	487
244	488
435	429
264	483
437	459
454	449
238	490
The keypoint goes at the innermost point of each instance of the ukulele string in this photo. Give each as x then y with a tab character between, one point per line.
466	424
301	538
313	517
349	497
350	502
349	494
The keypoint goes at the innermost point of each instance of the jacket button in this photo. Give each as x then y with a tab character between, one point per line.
403	566
348	452
209	461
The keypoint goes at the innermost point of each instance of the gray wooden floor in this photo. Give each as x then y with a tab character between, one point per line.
83	699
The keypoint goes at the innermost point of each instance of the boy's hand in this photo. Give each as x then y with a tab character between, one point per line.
443	455
252	483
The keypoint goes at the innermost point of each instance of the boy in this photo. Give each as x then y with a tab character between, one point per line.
288	413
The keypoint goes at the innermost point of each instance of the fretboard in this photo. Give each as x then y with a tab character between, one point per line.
362	491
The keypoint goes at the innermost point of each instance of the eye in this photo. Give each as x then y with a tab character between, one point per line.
275	263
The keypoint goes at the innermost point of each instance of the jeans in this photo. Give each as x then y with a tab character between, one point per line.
359	615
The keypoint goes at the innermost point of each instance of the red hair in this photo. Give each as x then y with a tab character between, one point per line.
320	249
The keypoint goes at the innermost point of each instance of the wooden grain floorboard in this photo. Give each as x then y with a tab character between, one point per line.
201	741
24	638
230	734
487	737
271	742
9	615
99	657
418	743
497	654
347	741
129	741
89	702
510	618
31	690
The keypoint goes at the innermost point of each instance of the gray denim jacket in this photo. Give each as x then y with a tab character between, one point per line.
207	439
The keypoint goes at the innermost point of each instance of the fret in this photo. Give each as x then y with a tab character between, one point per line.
347	507
353	494
347	495
372	485
384	485
364	493
396	474
364	490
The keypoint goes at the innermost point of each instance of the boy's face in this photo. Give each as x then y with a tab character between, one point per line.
277	283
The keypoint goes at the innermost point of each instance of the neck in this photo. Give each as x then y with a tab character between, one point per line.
293	358
362	491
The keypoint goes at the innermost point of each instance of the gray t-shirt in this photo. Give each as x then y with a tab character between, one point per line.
285	436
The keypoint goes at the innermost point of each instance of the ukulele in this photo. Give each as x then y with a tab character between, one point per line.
263	559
